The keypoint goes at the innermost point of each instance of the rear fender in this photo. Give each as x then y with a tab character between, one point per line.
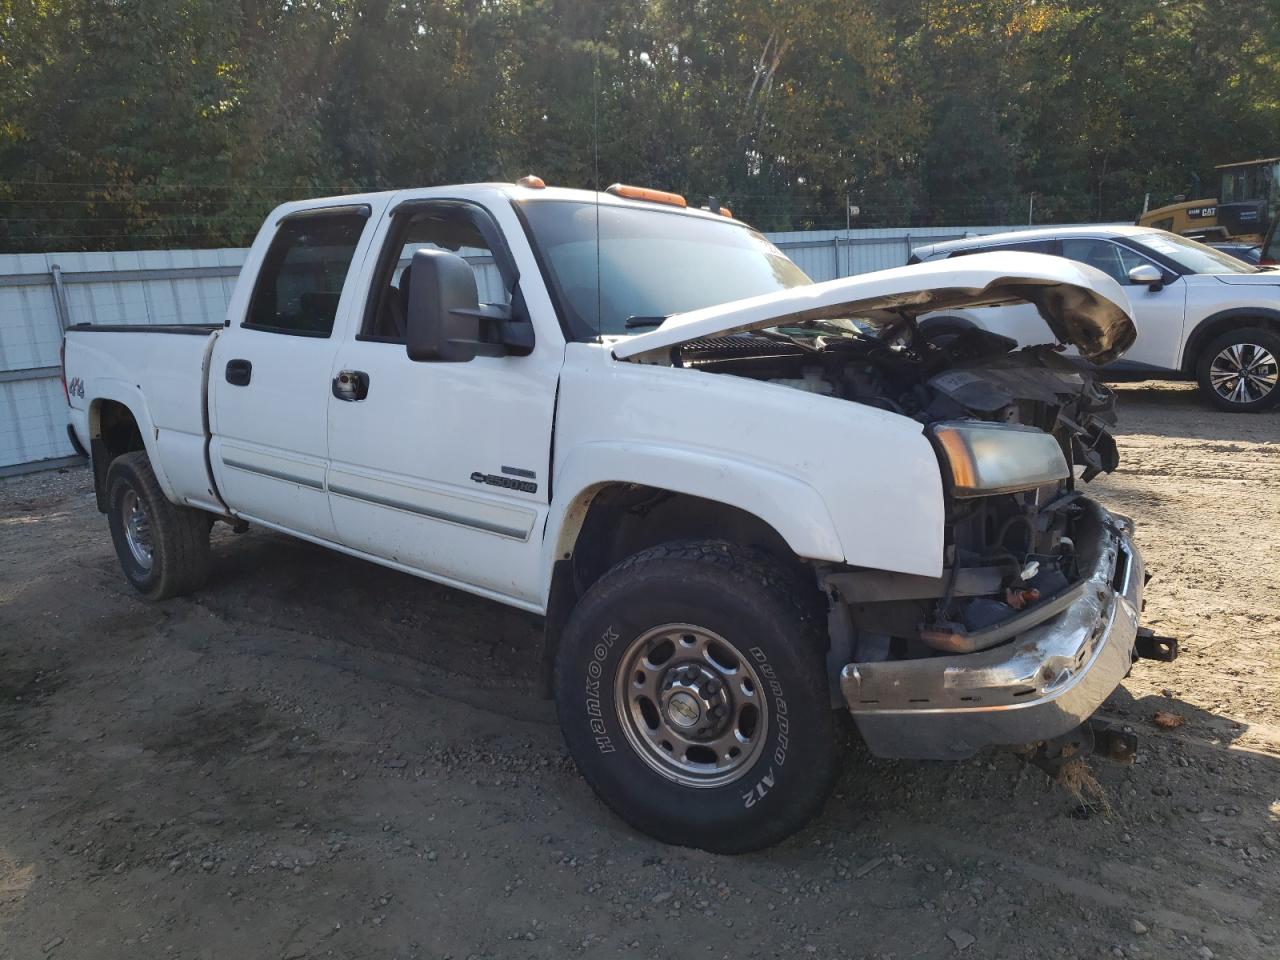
128	395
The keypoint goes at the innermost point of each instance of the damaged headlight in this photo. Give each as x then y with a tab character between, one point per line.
988	458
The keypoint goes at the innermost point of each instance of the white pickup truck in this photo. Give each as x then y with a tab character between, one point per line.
735	515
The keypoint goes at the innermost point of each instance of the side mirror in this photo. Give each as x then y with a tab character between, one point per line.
1146	273
446	322
443	322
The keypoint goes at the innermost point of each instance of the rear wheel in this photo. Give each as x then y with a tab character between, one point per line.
691	686
1238	371
163	548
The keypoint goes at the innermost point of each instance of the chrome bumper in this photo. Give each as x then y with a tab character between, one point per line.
1042	683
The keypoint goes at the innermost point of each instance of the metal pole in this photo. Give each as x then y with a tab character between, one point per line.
60	298
1031	209
848	230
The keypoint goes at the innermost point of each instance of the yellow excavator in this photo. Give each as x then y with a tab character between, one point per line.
1248	195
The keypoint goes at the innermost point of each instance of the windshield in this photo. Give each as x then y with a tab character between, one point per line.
1192	256
652	263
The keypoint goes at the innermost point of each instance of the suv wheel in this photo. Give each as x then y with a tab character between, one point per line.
163	548
692	690
1238	371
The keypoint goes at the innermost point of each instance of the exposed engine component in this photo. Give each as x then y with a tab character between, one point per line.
976	375
1020	544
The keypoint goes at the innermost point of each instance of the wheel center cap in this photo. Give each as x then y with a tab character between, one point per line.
683	710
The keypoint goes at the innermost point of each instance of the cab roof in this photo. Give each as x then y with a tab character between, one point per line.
512	191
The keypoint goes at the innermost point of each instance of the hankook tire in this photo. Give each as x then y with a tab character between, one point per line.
692	691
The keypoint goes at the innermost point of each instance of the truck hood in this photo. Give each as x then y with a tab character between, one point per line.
1081	305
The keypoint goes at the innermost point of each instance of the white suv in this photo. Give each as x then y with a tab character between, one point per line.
1199	312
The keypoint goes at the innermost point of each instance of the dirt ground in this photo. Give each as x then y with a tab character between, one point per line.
316	757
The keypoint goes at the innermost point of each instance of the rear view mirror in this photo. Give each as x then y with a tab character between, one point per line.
446	321
1146	273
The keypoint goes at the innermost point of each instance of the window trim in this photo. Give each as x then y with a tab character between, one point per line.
1054	243
1170	273
346	209
484	222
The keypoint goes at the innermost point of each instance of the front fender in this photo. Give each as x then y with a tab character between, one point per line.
1216	323
838	481
790	506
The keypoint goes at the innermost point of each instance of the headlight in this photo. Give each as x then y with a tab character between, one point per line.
987	458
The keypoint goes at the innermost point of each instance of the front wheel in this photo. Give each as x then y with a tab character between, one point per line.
1238	371
691	687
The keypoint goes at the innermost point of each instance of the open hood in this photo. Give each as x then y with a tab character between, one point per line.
1082	306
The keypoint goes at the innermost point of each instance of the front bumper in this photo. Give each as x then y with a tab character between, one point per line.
1041	684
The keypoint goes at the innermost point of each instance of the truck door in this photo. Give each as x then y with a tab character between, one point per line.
442	468
269	374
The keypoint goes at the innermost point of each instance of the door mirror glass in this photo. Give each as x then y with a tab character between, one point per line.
443	321
1146	273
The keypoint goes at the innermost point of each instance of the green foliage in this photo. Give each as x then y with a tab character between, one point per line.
130	123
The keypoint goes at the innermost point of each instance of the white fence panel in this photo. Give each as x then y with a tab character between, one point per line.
828	254
41	293
34	423
194	286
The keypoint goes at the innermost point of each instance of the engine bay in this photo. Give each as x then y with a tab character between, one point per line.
1005	554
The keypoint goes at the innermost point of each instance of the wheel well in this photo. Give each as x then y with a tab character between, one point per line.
1202	335
622	519
113	430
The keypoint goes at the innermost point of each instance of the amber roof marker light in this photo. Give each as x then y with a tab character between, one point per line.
532	182
644	193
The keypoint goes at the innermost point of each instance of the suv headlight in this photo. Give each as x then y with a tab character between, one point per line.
989	458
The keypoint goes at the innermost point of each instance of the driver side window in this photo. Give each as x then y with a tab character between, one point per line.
434	228
1111	258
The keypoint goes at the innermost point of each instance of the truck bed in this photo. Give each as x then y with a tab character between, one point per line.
159	373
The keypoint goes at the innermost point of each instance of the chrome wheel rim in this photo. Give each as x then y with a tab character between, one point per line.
137	529
1244	373
691	705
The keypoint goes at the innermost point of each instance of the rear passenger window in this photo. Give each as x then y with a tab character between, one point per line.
302	275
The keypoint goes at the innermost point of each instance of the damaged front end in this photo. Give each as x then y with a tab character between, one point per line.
1061	660
1033	620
